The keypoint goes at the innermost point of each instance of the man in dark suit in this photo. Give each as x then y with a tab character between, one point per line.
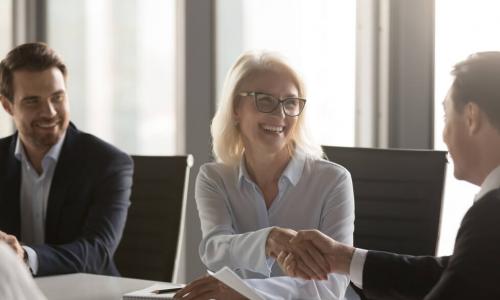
64	194
472	134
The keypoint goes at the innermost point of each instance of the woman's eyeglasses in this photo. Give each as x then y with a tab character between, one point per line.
265	103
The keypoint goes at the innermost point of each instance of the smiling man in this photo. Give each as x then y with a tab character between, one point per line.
64	194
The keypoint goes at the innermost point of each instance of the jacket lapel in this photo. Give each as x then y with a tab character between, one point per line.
61	183
11	214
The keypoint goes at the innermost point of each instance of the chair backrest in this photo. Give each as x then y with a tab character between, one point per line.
149	244
398	196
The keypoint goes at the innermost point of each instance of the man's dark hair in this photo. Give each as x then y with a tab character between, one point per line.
477	80
30	57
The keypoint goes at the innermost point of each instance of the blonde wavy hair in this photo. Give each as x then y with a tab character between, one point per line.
228	145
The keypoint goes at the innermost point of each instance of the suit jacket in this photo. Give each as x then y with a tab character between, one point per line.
87	204
472	272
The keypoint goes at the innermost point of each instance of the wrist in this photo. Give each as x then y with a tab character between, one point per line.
25	256
340	260
348	253
270	242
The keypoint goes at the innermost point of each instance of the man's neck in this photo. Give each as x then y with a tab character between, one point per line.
489	157
35	156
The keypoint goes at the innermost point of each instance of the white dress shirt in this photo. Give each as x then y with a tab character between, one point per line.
312	194
35	189
491	182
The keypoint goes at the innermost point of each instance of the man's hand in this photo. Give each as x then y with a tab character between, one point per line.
206	288
314	266
320	247
13	243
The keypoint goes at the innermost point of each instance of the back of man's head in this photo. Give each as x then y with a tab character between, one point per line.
477	79
30	57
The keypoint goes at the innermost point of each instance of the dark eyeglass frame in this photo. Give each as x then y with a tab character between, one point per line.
302	102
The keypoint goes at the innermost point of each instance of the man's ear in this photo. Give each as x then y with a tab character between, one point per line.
474	117
7	105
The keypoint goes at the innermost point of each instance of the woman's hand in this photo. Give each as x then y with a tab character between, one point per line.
314	266
278	240
207	287
320	247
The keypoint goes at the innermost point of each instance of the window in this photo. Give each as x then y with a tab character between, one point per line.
462	28
121	60
318	37
5	45
5	27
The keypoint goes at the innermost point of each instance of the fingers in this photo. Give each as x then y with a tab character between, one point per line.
308	264
12	241
198	289
206	288
3	236
195	285
279	240
287	263
320	260
312	235
312	257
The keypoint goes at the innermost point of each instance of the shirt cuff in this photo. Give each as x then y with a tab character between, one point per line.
356	267
270	262
32	259
266	268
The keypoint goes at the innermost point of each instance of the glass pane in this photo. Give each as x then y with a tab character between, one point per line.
462	27
121	60
319	39
5	46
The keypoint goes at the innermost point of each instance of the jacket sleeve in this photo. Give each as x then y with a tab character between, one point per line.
93	249
474	268
470	273
392	276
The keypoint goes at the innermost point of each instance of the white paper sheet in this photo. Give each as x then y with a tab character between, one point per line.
231	279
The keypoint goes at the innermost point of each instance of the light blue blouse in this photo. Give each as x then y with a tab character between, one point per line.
312	194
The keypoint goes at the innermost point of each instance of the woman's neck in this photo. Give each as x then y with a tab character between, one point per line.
265	170
265	165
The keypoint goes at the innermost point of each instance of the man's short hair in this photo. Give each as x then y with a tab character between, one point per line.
30	57
477	79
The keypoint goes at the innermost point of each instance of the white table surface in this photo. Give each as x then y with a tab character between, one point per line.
81	286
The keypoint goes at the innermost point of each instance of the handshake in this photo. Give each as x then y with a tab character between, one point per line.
308	254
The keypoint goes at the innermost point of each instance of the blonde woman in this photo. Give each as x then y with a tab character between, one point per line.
269	181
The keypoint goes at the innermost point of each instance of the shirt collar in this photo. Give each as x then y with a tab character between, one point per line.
292	172
53	153
491	182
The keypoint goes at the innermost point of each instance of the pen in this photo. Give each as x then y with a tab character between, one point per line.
164	291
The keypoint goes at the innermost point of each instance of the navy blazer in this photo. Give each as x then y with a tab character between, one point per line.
472	272
87	204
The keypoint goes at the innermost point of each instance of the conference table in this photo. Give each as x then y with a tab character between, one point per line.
81	286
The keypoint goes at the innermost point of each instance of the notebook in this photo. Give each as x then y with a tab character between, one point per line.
147	293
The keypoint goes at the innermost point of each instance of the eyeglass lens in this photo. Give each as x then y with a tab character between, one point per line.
267	103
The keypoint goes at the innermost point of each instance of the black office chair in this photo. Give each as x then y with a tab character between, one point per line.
398	197
149	244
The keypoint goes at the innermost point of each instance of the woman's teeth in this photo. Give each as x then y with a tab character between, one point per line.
277	129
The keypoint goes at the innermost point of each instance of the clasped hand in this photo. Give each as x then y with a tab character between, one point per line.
310	254
12	241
